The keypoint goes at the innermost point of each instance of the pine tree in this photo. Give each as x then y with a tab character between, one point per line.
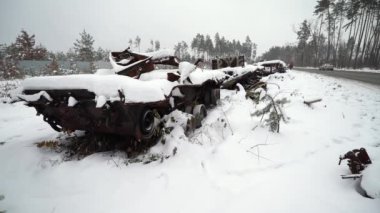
247	48
209	46
52	68
24	48
323	7
71	55
60	56
9	70
138	42
84	47
217	44
101	55
303	35
130	43
24	44
3	52
39	53
157	45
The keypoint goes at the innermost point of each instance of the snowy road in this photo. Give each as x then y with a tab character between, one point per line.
232	164
366	77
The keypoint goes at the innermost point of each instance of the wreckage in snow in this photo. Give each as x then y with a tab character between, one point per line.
130	99
134	64
273	66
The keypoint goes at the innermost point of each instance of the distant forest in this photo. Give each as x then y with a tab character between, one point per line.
345	33
25	48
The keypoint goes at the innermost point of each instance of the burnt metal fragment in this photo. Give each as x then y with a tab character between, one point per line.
358	159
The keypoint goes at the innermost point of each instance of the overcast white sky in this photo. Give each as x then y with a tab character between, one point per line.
112	23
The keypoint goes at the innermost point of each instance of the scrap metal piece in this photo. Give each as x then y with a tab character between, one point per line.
358	159
134	64
353	176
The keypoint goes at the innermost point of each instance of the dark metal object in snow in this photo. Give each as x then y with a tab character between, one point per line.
274	67
227	62
309	103
245	80
358	160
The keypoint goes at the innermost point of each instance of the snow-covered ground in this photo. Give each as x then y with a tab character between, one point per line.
231	164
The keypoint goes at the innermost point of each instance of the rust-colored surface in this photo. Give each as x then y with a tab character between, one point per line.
118	118
138	63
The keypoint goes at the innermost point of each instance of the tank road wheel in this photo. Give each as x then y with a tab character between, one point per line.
199	113
147	126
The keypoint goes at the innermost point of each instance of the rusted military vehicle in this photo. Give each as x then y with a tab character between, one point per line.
117	101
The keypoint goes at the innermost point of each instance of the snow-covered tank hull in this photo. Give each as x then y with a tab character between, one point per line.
126	119
126	107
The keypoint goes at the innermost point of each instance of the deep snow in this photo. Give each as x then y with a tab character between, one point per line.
231	164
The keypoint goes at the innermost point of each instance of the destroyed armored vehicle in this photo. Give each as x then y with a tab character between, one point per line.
115	101
273	66
131	98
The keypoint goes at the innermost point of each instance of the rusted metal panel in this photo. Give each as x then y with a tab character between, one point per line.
139	63
245	80
219	63
190	95
113	118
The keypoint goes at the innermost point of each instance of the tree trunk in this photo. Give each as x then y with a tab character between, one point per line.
356	32
319	45
338	38
329	34
366	37
360	40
